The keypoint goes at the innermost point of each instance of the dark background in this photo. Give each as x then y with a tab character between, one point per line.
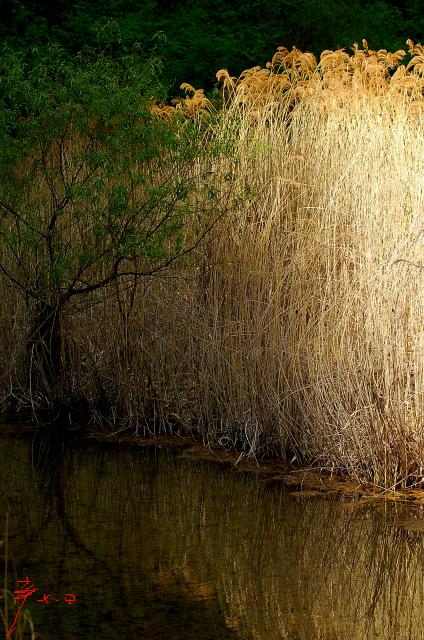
195	38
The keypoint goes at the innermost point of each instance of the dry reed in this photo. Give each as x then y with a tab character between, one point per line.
297	328
310	338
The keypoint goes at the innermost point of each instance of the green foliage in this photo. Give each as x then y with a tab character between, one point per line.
95	188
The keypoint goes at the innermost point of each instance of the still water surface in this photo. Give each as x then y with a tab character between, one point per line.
155	546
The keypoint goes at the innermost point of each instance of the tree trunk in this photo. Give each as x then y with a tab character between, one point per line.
46	352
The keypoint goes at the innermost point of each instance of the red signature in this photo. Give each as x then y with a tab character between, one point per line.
27	589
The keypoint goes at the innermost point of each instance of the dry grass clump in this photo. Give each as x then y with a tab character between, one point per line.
297	327
195	105
311	313
295	75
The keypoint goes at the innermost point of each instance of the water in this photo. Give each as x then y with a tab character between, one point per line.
154	546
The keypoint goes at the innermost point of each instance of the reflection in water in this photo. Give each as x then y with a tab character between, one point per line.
156	546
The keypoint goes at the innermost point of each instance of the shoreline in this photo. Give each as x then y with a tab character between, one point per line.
300	481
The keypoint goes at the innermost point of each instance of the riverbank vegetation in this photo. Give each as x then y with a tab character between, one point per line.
248	271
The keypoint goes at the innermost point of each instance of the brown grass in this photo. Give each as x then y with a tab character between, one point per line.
297	329
316	319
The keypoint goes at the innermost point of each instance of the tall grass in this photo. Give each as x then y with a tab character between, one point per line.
317	337
306	334
297	328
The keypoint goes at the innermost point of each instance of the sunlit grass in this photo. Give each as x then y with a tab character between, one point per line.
296	328
308	333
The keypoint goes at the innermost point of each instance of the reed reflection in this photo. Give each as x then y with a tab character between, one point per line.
169	543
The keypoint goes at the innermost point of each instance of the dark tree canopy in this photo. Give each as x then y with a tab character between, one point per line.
197	38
